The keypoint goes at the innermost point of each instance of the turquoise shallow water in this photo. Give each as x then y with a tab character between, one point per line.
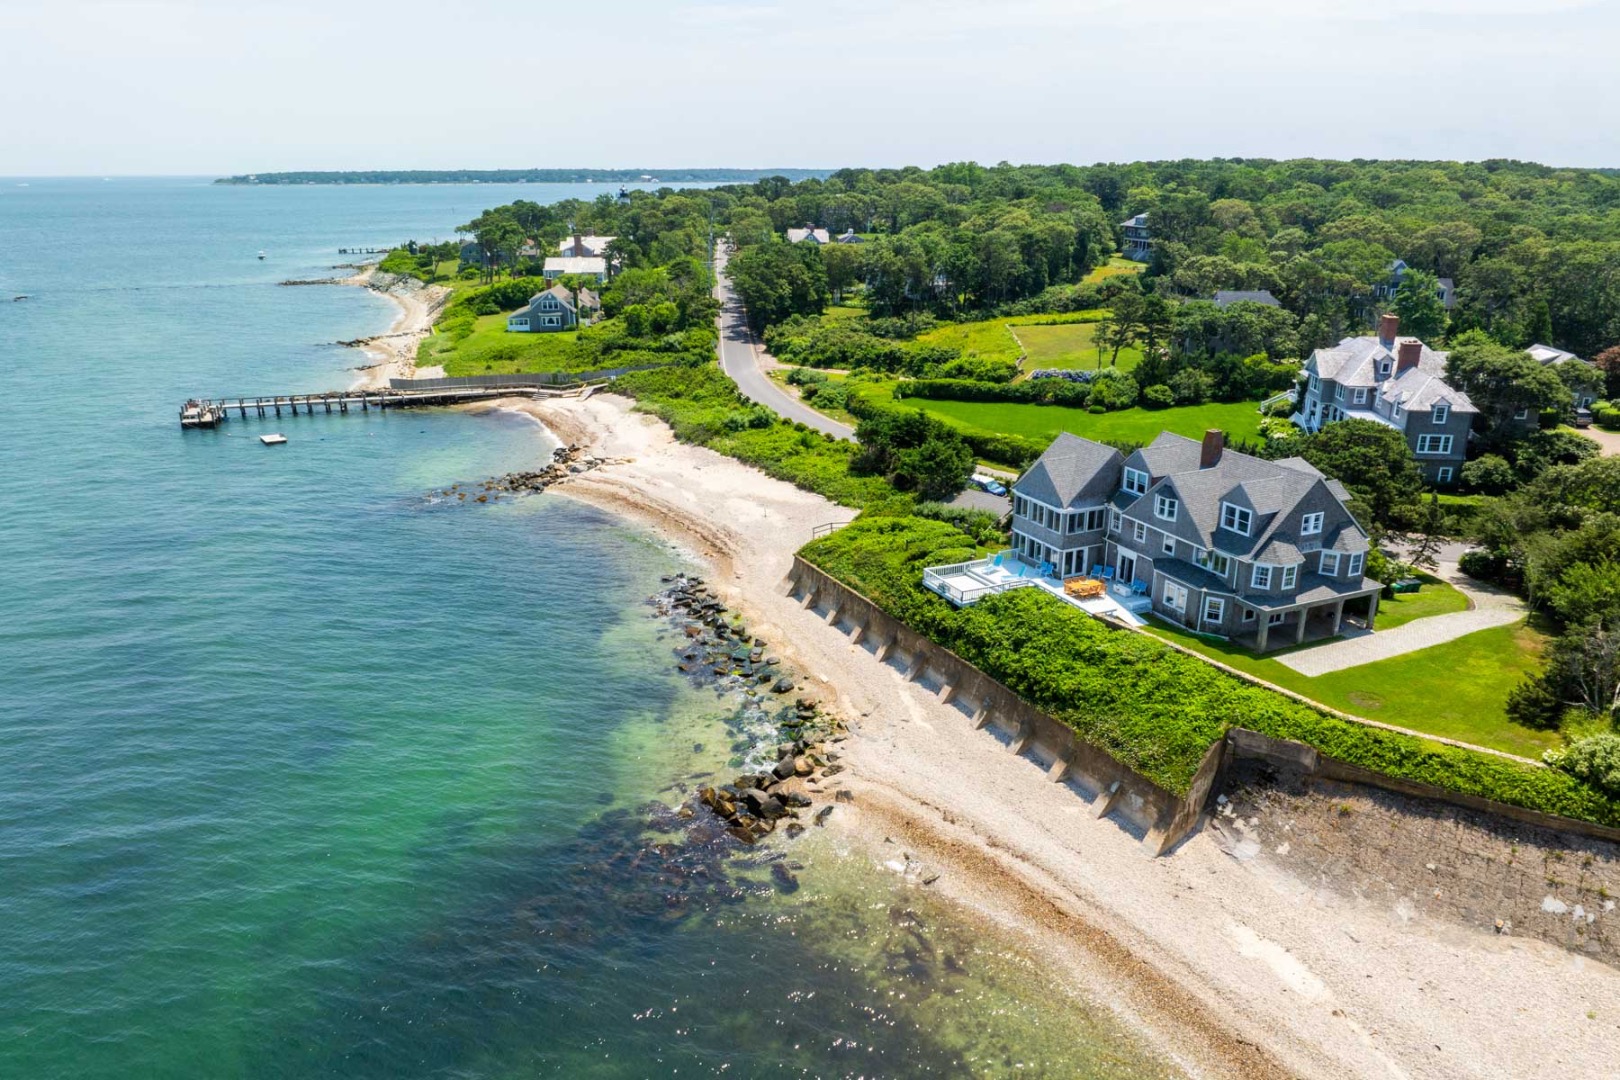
303	776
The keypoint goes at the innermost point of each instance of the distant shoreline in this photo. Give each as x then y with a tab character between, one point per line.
521	176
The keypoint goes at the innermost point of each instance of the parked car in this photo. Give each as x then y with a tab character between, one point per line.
995	487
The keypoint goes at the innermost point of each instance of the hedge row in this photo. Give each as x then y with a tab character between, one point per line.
1153	708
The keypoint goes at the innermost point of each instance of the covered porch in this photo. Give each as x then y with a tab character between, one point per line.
1302	623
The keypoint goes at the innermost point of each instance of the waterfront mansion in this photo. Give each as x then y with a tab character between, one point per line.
1262	552
1398	382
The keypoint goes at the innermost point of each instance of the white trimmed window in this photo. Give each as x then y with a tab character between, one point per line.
1290	575
1275	618
1357	559
1214	610
1383	369
1169	544
1095	518
1361	395
1316	386
1311	524
1175	596
1434	444
1136	482
1139	532
1213	561
1165	507
1248	614
1261	578
1330	563
1442	412
550	320
1116	520
1444	474
1522	414
1236	518
1338	392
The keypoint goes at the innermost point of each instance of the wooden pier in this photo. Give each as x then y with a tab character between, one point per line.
210	412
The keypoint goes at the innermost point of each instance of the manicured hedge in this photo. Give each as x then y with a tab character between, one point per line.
1155	709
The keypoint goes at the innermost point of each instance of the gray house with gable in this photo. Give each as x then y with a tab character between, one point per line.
1395	381
1265	553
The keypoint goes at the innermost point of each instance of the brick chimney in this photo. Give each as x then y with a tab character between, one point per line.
1214	443
1410	352
579	246
1388	327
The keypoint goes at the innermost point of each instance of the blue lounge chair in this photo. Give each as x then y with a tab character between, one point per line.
1108	573
1139	588
1097	571
1048	570
996	562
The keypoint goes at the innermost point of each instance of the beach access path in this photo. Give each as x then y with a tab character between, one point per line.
1243	966
744	359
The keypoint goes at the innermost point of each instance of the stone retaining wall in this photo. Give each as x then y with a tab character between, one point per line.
1164	817
1242	744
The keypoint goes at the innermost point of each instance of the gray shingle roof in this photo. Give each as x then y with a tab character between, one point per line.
1273	490
1354	361
1226	297
1071	469
1546	354
1417	390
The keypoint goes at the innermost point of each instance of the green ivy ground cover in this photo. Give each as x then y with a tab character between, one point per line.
1155	709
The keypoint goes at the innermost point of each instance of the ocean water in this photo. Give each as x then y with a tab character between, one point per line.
304	774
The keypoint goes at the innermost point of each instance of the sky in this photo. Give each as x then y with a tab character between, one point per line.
216	87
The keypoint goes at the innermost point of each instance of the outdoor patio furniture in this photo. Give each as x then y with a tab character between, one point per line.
1097	571
1084	588
1139	588
1107	574
1048	570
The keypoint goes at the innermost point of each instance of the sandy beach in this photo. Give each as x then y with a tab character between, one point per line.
393	352
1241	968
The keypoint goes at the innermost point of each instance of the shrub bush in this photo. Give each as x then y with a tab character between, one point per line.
1595	760
1157	396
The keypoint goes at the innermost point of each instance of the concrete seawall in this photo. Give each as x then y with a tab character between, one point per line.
1163	817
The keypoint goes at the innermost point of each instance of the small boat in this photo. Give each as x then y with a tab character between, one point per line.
261	256
273	440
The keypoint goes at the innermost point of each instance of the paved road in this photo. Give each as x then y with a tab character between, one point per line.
741	355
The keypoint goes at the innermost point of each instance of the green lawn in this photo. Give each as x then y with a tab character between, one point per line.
844	311
1068	336
1434	598
1116	265
1457	690
1044	422
490	350
1070	345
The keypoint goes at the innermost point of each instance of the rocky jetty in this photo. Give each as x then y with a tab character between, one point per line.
566	461
716	649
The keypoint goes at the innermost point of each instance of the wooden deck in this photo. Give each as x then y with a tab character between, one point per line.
210	412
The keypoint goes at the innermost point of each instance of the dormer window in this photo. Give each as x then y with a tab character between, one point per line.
1165	507
1383	369
1236	518
1136	482
1330	563
1441	412
1290	575
1311	524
